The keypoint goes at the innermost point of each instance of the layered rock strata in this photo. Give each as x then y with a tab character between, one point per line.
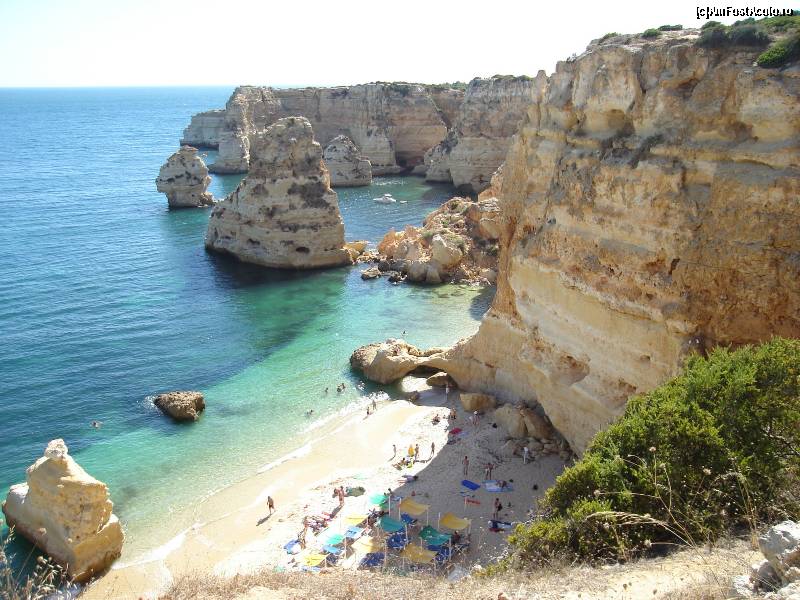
477	143
284	213
347	167
67	513
204	129
392	124
457	242
649	208
184	180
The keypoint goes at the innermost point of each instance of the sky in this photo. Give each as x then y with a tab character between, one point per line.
74	43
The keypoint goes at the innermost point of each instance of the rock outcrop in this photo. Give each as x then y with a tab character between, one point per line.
67	513
184	180
181	405
649	208
392	124
284	214
345	164
388	361
204	130
457	243
479	139
778	574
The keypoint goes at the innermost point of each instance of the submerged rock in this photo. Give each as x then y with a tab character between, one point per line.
347	167
284	213
181	406
184	180
67	513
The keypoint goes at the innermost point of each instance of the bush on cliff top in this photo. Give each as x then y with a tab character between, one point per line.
715	448
780	53
651	33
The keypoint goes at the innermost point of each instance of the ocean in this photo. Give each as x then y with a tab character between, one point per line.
107	297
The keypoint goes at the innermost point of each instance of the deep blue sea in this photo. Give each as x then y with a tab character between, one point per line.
106	298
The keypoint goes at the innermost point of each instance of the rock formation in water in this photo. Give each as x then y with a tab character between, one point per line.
67	513
180	405
346	165
204	129
392	124
284	213
477	143
386	362
457	242
649	207
184	180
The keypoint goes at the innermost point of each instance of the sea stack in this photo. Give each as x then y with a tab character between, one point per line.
67	513
284	214
346	165
184	180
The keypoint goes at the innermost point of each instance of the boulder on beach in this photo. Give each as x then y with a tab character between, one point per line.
510	418
181	405
441	379
66	513
386	362
479	402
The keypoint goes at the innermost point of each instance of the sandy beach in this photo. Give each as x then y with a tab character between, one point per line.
233	532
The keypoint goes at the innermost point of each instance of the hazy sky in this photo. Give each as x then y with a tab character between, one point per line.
295	42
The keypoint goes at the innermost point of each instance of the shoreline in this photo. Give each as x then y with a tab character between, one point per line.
231	535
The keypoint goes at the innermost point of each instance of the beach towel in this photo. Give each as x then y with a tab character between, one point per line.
472	501
455	431
293	547
470	485
494	486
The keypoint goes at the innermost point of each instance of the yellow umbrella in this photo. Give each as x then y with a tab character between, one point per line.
453	522
418	554
355	519
313	559
413	508
367	545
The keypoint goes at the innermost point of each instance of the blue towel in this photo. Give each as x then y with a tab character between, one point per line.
470	484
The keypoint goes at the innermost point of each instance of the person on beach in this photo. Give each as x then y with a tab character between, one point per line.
452	416
526	454
465	462
270	504
474	419
433	449
487	472
497	508
491	469
394	451
374	405
416	452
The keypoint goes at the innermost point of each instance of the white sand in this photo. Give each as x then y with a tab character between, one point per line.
233	536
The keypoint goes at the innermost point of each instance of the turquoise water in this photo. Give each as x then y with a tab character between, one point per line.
107	298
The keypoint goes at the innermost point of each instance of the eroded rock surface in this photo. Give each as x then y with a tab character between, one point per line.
392	124
204	129
284	213
67	513
181	405
648	208
184	180
386	362
346	165
479	139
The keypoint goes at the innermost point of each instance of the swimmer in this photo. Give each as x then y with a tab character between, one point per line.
97	424
309	412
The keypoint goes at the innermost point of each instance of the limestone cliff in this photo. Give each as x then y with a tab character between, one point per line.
184	180
284	213
477	143
347	167
649	206
204	129
392	124
67	513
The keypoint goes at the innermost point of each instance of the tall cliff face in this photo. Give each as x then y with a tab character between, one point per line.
284	214
392	124
204	129
650	206
477	143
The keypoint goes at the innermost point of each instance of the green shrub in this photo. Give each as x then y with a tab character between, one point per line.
609	36
670	28
713	37
651	33
714	448
780	53
747	35
781	23
710	24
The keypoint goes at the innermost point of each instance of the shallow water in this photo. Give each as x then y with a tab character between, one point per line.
107	298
